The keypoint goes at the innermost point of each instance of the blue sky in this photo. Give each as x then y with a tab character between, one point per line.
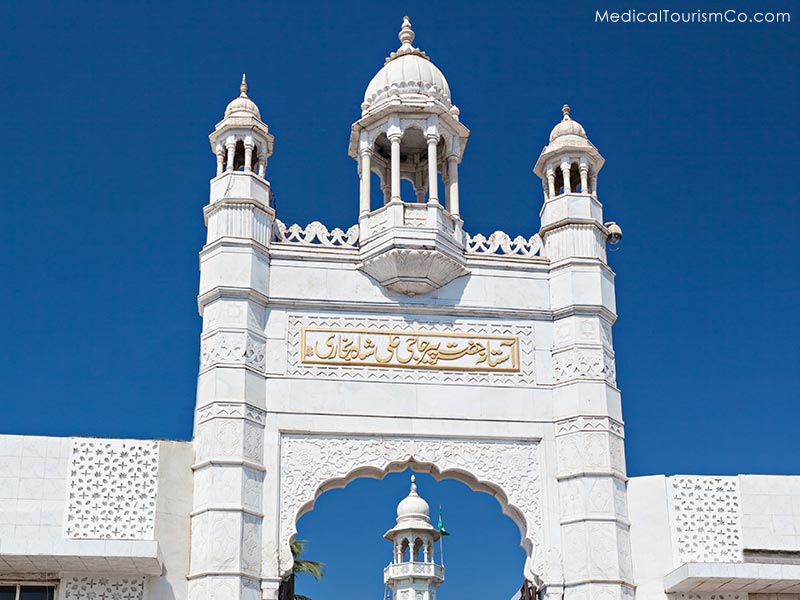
106	111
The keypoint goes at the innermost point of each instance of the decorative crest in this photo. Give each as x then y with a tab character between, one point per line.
243	87
406	36
565	110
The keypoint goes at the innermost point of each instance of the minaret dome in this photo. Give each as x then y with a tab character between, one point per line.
242	106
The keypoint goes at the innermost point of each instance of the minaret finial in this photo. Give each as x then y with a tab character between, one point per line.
565	110
243	86
413	477
406	34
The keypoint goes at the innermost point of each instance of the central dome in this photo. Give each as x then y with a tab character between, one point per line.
408	74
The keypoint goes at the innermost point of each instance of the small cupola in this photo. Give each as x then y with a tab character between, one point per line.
569	163
241	141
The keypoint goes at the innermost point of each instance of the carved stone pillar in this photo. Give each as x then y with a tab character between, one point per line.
248	156
433	171
565	166
395	166
220	152
551	183
366	174
584	168
452	184
230	147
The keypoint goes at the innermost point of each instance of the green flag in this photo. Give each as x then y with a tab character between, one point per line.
440	525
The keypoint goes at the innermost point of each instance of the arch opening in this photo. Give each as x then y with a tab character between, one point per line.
507	470
481	532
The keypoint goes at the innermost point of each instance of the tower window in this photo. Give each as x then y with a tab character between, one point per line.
238	156
575	178
559	181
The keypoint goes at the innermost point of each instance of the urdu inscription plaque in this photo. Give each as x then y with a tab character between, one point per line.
410	350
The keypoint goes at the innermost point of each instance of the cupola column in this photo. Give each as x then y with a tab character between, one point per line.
366	172
220	152
433	178
395	138
452	183
230	147
262	164
551	183
248	156
584	168
565	177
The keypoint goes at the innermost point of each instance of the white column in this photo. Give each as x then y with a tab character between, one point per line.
262	164
220	159
584	178
395	168
366	174
551	182
452	183
433	179
565	175
593	179
230	146
248	157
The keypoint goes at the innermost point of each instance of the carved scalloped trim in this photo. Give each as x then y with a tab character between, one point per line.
501	243
510	470
315	234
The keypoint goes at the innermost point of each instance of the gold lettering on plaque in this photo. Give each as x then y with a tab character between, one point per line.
410	350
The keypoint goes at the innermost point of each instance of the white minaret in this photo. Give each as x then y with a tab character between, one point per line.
413	573
590	470
226	559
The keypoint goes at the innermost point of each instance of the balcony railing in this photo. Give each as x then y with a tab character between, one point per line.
413	569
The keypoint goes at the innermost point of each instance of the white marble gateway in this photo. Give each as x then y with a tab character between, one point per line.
403	341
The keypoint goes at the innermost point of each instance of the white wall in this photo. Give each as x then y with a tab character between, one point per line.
650	535
770	512
33	472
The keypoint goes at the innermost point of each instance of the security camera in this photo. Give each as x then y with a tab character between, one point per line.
614	232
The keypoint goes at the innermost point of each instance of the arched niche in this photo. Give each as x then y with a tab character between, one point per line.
508	470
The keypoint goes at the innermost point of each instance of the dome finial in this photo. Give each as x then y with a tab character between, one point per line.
406	34
243	87
413	477
565	110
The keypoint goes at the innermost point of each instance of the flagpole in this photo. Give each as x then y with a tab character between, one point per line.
441	549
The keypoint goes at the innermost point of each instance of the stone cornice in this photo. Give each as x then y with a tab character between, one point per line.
443	310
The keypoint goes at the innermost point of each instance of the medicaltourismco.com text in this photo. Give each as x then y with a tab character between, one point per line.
666	15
